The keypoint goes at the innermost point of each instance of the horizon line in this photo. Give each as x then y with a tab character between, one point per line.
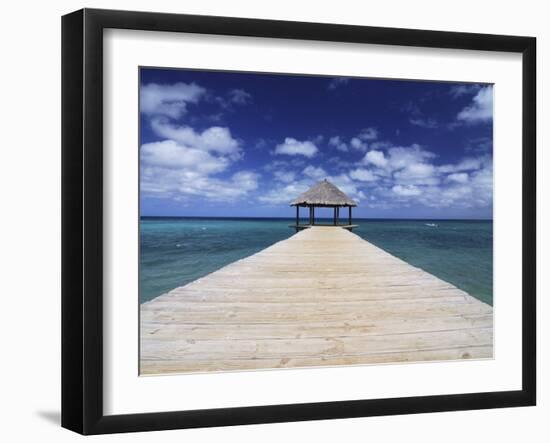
322	218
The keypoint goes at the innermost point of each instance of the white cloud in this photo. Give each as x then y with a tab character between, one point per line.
245	181
418	174
404	164
292	146
285	164
482	184
214	189
428	123
458	177
417	117
170	155
187	164
456	193
313	172
462	190
480	145
467	164
187	182
409	175
284	176
215	139
358	144
347	185
418	170
368	134
401	156
284	194
378	145
406	191
338	143
481	109
169	100
239	96
460	90
363	175
398	176
337	81
377	158
338	163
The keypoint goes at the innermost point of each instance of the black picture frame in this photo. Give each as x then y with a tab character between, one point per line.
82	218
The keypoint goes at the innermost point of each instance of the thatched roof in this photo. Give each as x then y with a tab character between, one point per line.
323	193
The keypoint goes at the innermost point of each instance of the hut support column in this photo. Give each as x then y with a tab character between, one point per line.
338	215
313	215
297	215
334	216
349	215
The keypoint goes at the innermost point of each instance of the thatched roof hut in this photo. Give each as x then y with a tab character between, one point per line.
323	195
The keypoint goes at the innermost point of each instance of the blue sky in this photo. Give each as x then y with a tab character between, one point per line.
243	144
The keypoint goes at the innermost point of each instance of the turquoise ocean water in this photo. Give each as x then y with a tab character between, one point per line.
176	251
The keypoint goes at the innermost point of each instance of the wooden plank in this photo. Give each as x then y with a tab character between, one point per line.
237	331
322	297
334	346
459	353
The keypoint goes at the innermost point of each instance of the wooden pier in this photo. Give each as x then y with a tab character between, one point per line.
299	227
323	297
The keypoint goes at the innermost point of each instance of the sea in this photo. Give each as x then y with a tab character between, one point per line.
177	250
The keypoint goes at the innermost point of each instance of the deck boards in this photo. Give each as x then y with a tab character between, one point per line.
322	297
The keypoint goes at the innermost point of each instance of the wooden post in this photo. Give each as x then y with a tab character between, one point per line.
335	216
297	215
349	213
310	215
313	219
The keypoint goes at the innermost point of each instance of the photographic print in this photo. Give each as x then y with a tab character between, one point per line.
295	221
303	207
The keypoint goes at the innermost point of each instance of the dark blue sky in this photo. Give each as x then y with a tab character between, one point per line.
242	144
